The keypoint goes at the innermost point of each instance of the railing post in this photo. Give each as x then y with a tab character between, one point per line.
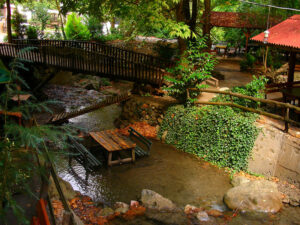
287	115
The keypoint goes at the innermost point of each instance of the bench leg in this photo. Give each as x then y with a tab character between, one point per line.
133	155
109	159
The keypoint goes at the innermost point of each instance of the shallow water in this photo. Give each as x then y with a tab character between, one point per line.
179	176
172	173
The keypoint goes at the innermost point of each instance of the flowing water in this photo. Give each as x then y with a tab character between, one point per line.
176	175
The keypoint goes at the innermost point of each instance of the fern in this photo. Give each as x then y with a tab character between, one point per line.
20	144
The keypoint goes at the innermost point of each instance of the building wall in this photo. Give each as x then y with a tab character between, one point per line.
276	154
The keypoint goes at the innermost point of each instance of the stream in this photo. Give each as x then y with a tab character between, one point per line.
176	175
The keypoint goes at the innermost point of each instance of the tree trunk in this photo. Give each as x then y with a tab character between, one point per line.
183	14
113	24
206	25
8	22
61	20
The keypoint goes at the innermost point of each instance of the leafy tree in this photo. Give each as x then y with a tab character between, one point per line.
41	16
17	24
75	29
190	72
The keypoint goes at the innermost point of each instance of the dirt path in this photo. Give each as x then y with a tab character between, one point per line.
230	68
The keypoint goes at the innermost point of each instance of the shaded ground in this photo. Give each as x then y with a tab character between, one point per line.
230	68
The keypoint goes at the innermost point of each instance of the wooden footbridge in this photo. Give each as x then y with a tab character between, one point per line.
90	57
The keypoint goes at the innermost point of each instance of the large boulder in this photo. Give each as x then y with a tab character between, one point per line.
152	200
168	218
257	195
66	188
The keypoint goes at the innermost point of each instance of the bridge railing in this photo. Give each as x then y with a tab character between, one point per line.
81	60
103	49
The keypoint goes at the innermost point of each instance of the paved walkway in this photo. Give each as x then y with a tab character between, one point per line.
230	69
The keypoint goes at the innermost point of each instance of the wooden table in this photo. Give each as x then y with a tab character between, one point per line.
112	141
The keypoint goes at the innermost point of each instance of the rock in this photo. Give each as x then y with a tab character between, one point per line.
190	209
202	216
258	195
77	219
224	89
238	180
164	135
214	213
172	218
106	212
152	200
121	207
134	203
66	187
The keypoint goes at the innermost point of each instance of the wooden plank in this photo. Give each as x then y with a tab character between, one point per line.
101	141
120	141
111	141
128	142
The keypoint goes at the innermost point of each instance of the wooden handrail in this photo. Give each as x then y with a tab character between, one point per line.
139	57
287	106
82	60
278	104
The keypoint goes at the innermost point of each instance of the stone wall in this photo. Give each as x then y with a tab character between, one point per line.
276	154
149	109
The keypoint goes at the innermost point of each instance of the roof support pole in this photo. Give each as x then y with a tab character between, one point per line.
292	63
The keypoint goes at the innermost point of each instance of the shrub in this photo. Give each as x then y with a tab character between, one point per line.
75	29
165	50
32	32
95	26
190	71
17	23
254	89
216	133
248	62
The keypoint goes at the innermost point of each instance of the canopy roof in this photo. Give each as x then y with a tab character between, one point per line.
239	20
285	34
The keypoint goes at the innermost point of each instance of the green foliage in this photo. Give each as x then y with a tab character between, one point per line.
17	24
75	29
41	16
94	26
190	71
216	133
255	89
114	35
32	32
165	50
14	36
248	62
20	144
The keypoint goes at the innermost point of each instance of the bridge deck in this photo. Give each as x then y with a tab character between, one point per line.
89	57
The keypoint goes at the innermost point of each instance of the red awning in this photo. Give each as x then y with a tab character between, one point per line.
239	20
284	34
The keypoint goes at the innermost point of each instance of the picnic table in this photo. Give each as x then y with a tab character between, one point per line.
114	142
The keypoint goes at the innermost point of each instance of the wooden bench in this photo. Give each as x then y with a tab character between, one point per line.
143	144
113	142
83	156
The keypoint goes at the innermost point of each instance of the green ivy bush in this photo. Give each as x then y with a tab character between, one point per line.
32	33
254	89
190	71
248	62
216	133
